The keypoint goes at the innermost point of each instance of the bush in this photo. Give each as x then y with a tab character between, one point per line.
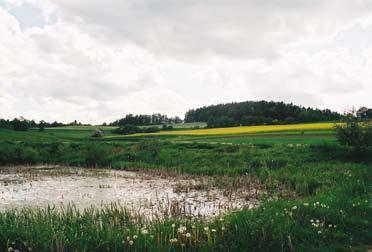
96	154
167	127
97	133
129	129
150	130
354	133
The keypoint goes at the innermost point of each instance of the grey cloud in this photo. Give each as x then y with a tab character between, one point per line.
237	28
103	59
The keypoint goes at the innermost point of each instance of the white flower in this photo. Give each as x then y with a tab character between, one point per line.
173	225
319	232
144	231
222	228
306	204
174	240
131	242
206	228
294	207
214	230
135	237
181	229
330	225
188	235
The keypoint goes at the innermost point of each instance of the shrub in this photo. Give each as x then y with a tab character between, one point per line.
95	154
97	133
150	130
129	129
354	133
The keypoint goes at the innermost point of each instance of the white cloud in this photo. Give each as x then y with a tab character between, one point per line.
97	60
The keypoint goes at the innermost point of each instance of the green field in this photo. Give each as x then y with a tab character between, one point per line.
318	193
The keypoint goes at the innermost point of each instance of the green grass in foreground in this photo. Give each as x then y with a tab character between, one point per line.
332	209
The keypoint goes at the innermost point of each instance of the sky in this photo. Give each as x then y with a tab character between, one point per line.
96	61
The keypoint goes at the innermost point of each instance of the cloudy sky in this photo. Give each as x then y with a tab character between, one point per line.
95	60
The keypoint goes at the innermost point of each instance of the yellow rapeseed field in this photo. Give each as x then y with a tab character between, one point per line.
247	129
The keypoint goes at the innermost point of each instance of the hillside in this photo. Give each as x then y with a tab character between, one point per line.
258	113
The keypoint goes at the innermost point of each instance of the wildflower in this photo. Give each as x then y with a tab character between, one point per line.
311	220
188	235
174	240
10	249
128	238
214	230
181	229
221	219
29	249
222	228
16	250
193	226
135	237
330	225
131	242
319	232
206	229
144	231
306	204
294	207
173	225
317	221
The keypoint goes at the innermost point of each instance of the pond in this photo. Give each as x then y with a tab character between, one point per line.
145	193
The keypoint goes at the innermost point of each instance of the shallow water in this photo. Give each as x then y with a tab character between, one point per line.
142	193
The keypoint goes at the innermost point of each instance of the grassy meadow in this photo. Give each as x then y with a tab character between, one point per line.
317	193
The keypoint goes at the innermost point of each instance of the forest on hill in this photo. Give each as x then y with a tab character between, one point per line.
258	113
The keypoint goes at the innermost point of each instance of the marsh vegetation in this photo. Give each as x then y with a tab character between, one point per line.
288	190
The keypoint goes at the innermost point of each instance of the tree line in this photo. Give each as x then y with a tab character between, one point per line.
258	113
22	124
140	120
221	115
